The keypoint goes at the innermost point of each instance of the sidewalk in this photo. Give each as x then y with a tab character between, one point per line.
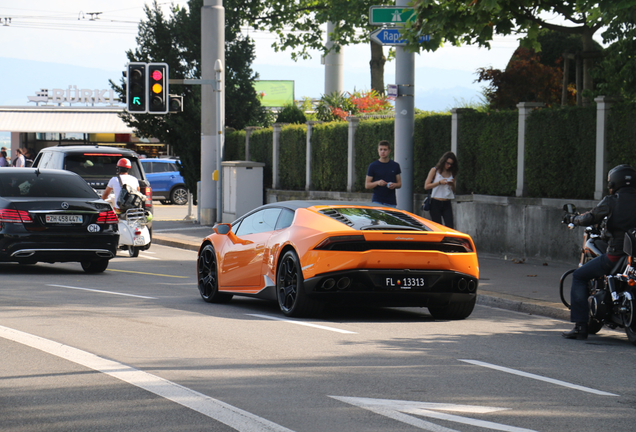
529	286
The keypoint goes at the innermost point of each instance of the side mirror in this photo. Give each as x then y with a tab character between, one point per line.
569	208
222	228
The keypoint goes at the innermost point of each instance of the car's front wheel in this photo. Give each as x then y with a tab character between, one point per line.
453	311
95	266
292	299
179	195
208	277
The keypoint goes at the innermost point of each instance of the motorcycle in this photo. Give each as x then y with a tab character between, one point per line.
611	297
134	235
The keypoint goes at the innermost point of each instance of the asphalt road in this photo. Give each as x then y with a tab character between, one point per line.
136	348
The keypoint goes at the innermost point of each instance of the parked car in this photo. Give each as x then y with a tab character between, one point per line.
54	216
168	186
95	164
304	254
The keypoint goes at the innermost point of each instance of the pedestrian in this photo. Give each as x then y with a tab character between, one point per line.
442	179
28	157
3	159
19	161
619	207
384	177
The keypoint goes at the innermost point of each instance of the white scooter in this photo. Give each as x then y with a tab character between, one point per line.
134	235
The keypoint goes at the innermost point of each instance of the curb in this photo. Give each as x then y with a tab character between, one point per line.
523	304
181	244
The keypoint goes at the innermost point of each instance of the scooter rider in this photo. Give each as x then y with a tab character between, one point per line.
123	165
620	209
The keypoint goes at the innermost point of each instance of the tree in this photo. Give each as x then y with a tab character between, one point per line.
176	40
532	76
299	24
617	70
477	21
525	79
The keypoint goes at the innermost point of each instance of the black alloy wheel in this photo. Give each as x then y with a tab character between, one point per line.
207	276
453	311
292	300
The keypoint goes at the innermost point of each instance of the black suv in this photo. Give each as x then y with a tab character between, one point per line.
95	164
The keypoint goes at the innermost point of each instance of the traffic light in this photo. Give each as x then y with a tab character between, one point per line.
157	88
175	104
136	82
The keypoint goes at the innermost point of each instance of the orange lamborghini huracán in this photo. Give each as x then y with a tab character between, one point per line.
304	254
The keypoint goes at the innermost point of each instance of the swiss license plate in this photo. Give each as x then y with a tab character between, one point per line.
407	282
64	219
140	241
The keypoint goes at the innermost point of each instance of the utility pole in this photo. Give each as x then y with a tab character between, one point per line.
404	120
334	65
212	49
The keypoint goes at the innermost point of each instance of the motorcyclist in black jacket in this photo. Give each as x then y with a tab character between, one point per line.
620	209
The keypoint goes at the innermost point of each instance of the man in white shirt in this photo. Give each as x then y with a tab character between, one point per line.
123	165
19	161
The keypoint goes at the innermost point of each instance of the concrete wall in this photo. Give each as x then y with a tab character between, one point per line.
505	226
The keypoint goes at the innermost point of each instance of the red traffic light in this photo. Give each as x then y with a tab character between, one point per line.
157	75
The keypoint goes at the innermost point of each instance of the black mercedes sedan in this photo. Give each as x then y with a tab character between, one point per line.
54	216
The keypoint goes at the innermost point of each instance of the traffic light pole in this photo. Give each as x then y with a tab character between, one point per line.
212	48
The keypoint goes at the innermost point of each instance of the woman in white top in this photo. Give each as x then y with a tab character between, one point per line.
442	178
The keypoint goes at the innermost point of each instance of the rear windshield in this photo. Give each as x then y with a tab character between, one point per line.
44	185
98	166
374	219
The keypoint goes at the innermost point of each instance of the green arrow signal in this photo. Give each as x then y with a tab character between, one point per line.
136	100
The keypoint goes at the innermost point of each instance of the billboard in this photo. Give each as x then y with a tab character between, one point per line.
275	93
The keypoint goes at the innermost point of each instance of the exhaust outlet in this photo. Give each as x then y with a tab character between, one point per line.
328	284
343	283
462	284
472	286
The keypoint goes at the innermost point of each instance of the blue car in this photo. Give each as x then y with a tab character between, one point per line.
167	183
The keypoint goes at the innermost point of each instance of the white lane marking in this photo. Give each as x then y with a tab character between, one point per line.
333	329
399	410
102	292
538	377
144	256
236	418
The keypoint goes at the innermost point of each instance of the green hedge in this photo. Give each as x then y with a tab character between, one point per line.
621	135
293	157
560	153
560	150
487	153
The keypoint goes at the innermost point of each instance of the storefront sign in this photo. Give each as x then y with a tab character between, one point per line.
73	95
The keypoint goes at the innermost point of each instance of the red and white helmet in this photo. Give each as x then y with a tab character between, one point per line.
124	163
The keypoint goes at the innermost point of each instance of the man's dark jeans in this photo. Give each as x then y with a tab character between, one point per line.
579	293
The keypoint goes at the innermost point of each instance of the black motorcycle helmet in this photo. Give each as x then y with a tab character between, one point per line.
621	176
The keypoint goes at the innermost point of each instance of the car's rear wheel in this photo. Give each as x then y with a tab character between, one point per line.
291	296
208	277
453	311
133	251
179	195
97	266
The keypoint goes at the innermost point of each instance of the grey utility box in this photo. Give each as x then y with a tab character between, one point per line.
242	188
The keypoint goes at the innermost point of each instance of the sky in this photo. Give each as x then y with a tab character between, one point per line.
57	43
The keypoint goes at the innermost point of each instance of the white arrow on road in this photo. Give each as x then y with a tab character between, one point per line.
399	410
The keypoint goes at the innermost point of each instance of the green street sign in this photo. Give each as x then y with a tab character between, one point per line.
387	15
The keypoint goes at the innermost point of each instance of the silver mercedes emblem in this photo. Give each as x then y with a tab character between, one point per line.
64	205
